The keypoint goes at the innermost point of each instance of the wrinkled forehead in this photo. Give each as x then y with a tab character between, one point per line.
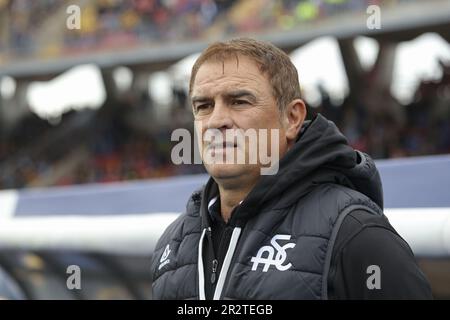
234	72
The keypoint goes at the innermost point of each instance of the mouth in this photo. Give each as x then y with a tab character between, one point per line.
224	145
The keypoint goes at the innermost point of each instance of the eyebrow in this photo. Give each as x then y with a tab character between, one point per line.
197	99
229	95
240	94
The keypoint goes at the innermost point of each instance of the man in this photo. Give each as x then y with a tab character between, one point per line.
313	229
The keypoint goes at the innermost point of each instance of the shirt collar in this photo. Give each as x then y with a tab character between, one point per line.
214	209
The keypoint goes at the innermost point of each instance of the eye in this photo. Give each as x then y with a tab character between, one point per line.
240	102
202	107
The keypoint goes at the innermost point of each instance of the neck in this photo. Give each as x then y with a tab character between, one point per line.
230	198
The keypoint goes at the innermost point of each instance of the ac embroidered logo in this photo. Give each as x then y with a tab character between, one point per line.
272	259
163	261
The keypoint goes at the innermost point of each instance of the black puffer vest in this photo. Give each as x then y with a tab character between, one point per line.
284	230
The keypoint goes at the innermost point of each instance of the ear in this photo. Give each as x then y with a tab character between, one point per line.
295	115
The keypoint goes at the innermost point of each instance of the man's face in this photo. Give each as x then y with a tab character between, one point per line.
235	95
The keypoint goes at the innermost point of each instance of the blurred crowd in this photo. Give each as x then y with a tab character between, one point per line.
19	21
38	28
34	27
116	23
119	153
97	149
419	128
16	149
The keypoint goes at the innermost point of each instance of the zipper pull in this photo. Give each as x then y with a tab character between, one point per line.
214	270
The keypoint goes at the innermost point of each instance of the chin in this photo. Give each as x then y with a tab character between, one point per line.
232	172
226	171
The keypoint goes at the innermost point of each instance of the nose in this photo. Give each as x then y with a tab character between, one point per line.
220	117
